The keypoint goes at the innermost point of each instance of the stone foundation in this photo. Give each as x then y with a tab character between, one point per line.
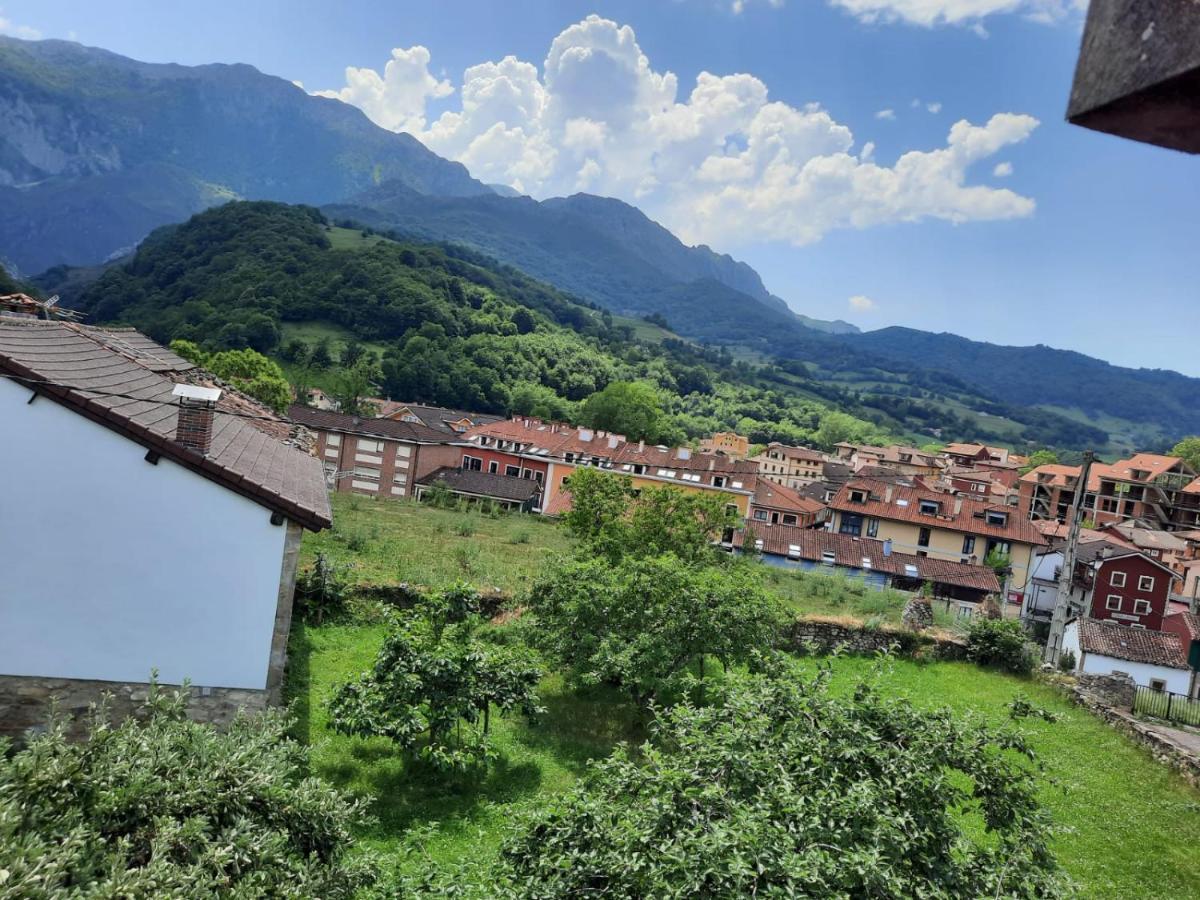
25	702
827	634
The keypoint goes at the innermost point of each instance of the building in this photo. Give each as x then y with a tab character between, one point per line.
149	519
793	467
1048	492
965	586
924	522
1185	626
975	455
727	442
508	491
904	460
448	421
1170	548
377	457
1153	659
1162	491
774	504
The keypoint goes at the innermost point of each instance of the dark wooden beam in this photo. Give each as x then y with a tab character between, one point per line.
1138	74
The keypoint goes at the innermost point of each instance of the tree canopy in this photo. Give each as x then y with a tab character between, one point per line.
1189	451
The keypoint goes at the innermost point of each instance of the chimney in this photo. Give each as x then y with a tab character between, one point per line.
958	505
641	446
196	406
887	494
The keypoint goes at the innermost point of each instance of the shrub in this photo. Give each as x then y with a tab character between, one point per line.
167	807
521	537
1000	644
464	527
321	591
785	789
1066	661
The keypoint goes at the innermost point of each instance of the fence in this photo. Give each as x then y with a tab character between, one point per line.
1166	705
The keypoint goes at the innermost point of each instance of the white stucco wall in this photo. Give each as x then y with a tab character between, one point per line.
111	566
1177	680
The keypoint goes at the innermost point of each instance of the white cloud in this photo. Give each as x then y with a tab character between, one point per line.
934	107
396	100
737	7
860	303
888	114
12	29
1003	170
721	164
931	13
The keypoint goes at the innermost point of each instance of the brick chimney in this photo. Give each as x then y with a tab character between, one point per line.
196	407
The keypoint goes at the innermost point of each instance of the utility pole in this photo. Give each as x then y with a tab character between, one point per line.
1062	604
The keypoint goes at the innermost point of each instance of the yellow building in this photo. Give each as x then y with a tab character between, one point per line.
792	467
939	526
726	442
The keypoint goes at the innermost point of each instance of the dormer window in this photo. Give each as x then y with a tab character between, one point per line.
996	517
858	496
718	481
829	558
930	507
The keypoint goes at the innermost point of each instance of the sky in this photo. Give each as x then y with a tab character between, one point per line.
885	162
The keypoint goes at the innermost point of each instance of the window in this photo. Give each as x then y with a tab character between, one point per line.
719	481
1141	607
930	507
829	558
789	519
924	537
512	471
996	517
472	464
493	467
1157	684
367	446
1113	602
537	476
1146	583
872	528
399	478
968	545
851	524
858	497
965	612
333	440
1117	580
760	515
364	472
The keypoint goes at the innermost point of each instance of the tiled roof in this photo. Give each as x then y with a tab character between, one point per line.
792	452
437	417
485	484
850	551
560	504
897	503
84	364
1151	463
769	495
1148	538
1140	645
1065	476
329	420
1190	622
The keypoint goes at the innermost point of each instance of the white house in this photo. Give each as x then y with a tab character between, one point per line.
146	522
1153	659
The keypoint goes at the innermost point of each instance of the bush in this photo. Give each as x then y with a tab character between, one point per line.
321	591
999	644
464	528
1066	661
167	807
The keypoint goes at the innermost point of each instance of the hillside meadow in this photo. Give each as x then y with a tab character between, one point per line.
1129	826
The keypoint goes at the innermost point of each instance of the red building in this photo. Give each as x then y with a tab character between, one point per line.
503	462
1126	587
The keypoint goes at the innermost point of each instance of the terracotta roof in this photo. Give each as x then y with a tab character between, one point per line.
892	454
485	484
1065	476
1140	645
1151	463
329	420
792	452
769	495
1190	622
561	503
898	503
849	551
246	456
1147	538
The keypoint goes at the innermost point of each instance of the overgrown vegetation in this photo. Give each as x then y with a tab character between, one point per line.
1001	644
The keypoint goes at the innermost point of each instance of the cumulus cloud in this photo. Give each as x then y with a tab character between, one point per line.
860	303
888	114
722	163
1003	170
396	100
12	29
934	107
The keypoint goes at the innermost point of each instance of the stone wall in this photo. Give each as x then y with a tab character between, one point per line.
828	634
25	702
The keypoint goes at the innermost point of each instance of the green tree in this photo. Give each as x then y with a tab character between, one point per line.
432	676
247	370
1189	451
357	383
631	408
642	621
785	788
160	806
1000	643
322	355
1040	458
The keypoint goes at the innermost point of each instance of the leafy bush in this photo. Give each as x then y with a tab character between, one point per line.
167	807
1000	644
784	789
321	591
464	527
1066	661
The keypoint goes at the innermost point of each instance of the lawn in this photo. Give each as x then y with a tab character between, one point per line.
1131	826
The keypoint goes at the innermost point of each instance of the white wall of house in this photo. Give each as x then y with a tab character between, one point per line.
1177	680
111	566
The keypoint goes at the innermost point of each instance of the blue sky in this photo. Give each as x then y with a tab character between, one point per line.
1008	229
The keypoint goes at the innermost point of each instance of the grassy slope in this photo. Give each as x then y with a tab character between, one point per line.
1133	826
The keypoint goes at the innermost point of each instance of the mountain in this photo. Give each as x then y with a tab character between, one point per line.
96	149
1043	376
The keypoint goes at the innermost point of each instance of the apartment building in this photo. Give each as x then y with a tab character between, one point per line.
791	467
904	460
727	442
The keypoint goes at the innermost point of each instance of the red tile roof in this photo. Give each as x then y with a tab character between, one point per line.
898	503
1140	645
769	495
85	366
851	552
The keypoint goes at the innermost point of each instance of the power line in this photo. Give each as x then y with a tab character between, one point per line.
21	379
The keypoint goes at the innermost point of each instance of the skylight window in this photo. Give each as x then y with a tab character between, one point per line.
911	571
829	557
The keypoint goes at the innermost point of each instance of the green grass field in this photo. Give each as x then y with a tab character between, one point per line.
1130	826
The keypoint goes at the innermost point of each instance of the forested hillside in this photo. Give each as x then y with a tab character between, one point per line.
453	327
